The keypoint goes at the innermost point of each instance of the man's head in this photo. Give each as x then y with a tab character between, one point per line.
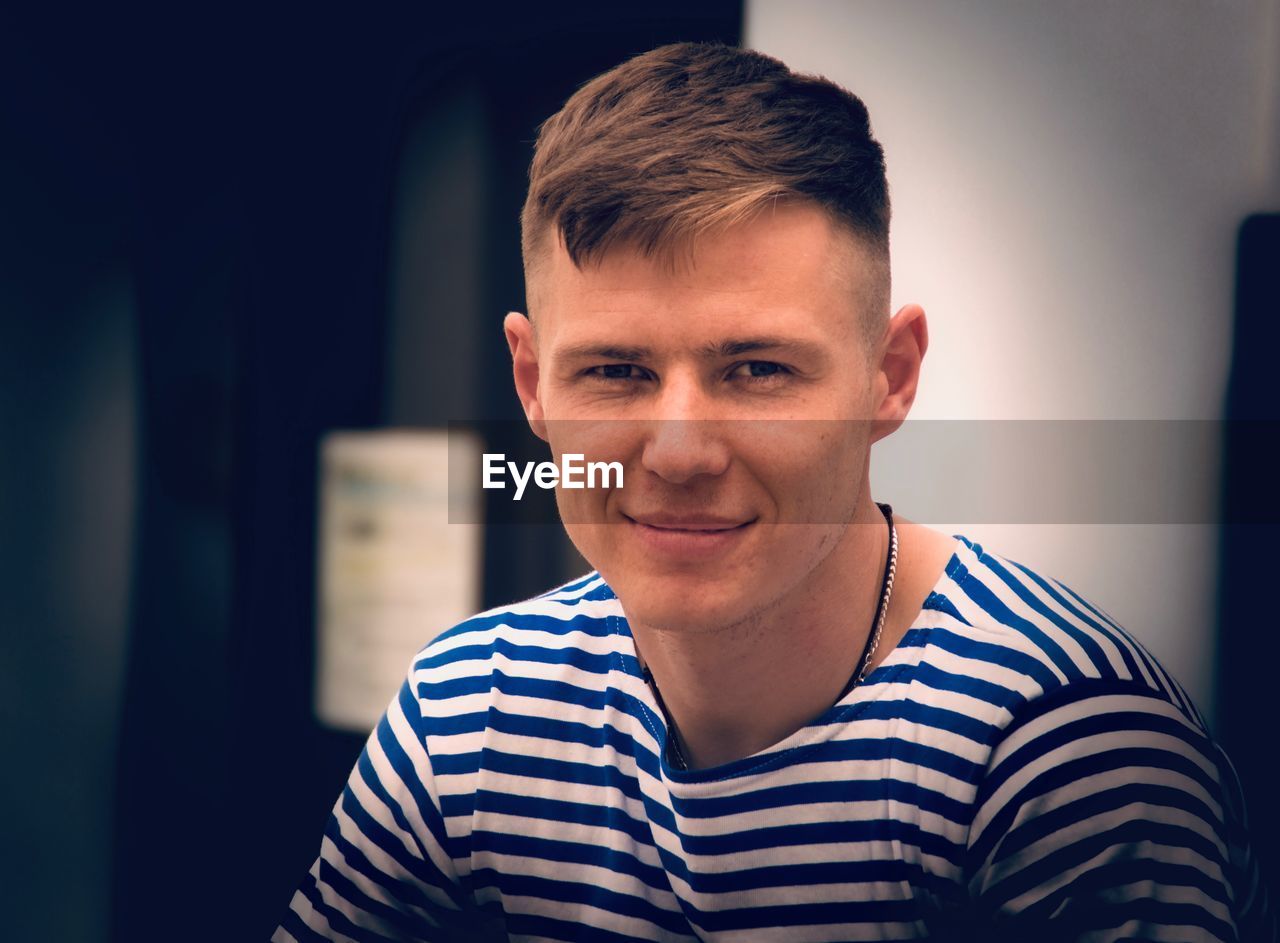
712	314
690	138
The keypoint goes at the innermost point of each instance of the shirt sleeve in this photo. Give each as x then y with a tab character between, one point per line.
1107	814
383	871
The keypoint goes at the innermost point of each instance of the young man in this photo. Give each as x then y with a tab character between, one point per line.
776	710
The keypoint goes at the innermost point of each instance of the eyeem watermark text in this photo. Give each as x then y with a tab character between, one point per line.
572	472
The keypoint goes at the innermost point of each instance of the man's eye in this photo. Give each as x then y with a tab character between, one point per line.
758	370
616	371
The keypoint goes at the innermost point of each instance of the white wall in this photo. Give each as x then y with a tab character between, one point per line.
1067	179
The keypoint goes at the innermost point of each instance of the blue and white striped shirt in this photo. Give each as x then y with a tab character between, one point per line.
1018	767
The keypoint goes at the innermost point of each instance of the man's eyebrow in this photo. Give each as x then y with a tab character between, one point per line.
604	352
749	345
735	347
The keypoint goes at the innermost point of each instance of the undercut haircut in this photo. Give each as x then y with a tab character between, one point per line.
691	138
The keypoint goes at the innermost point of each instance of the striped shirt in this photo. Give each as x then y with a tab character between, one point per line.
1017	768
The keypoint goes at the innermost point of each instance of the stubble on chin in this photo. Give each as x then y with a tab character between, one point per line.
736	612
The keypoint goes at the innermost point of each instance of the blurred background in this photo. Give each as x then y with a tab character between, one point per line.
255	261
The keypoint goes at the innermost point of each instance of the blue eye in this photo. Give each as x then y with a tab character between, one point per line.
615	371
759	370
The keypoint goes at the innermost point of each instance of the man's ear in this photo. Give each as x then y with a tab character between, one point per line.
902	349
524	367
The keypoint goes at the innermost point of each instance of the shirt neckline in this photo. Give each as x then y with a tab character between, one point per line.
902	658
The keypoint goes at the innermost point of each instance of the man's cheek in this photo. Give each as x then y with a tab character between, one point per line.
598	545
599	441
585	507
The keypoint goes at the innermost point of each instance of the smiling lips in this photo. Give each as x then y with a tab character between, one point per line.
700	522
692	537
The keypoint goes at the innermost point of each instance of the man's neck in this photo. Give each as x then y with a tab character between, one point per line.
739	689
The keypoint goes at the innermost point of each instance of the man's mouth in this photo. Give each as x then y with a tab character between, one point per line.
688	539
693	523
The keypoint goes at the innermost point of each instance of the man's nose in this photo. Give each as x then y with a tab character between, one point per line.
684	439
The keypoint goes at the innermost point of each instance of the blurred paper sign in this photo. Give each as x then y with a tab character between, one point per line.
393	572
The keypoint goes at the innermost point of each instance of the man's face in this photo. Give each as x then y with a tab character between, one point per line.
736	393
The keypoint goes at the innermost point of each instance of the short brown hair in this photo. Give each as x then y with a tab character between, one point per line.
691	137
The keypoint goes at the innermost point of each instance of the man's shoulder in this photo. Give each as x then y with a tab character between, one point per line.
541	667
1034	634
582	614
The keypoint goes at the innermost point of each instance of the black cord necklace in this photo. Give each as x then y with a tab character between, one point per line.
675	754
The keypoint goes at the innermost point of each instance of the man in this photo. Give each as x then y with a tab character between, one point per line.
776	710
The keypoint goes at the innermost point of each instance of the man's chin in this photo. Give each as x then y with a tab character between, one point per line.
680	609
